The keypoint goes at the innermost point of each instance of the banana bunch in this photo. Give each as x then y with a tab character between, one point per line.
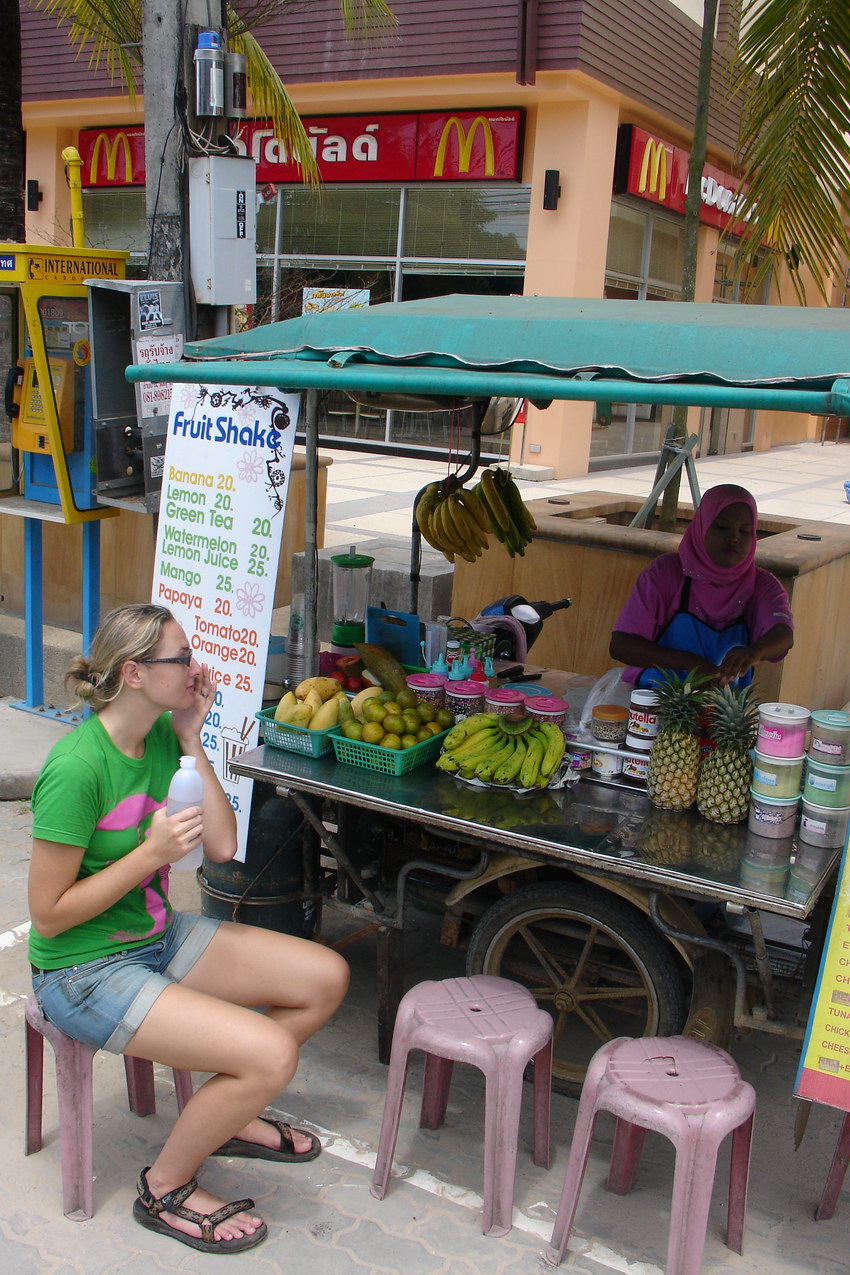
510	519
498	750
452	520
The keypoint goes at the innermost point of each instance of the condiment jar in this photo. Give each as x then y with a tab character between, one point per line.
777	776
782	730
580	758
548	708
830	742
607	765
464	699
430	687
608	723
502	700
637	765
643	717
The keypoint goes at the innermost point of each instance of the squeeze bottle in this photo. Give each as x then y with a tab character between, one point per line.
186	789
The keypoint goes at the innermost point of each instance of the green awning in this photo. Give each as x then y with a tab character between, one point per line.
786	357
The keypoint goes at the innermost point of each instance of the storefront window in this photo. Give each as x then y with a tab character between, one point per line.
644	263
116	220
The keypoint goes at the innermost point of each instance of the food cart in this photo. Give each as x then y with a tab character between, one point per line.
618	918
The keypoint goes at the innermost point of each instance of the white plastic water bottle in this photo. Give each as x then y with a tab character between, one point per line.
186	789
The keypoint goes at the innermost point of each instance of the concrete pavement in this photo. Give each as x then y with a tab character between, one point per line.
321	1215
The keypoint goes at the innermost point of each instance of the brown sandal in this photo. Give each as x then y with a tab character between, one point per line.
147	1209
285	1152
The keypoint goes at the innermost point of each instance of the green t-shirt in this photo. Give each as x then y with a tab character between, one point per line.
90	794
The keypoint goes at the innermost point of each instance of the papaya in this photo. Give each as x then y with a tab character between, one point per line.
350	665
383	666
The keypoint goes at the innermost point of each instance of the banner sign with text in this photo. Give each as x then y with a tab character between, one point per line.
227	463
824	1073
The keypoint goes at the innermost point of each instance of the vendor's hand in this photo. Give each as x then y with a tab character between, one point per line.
187	722
171	837
735	664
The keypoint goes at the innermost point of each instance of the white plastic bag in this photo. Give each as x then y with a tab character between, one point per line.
607	689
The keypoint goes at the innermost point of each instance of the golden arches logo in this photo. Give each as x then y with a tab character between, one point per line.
653	169
465	139
111	146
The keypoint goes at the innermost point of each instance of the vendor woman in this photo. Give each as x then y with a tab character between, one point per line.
707	606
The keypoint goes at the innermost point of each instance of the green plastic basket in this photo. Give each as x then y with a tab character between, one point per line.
294	739
389	761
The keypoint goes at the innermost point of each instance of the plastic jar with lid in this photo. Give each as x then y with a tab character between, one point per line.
637	765
830	742
782	729
548	708
502	700
823	825
464	699
580	759
770	817
827	785
608	723
643	714
606	765
430	687
777	776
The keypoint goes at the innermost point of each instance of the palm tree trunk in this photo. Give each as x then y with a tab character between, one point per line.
12	226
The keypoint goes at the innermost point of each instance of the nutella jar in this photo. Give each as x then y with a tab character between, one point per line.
636	766
643	715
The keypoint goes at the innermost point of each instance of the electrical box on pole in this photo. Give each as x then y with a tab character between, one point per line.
223	229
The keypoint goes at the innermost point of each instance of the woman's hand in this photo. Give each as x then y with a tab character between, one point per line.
172	837
187	722
736	663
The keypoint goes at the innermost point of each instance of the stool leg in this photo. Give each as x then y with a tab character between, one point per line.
696	1161
568	1203
625	1156
435	1091
542	1087
739	1177
835	1177
502	1103
182	1087
396	1080
140	1090
74	1093
34	1047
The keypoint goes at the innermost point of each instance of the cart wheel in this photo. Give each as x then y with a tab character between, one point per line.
591	960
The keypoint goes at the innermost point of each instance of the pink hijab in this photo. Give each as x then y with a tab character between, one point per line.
723	592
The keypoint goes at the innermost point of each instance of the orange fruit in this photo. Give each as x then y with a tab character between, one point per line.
353	730
374	710
426	710
423	733
412	721
393	706
406	698
391	741
394	724
373	733
409	741
433	728
443	718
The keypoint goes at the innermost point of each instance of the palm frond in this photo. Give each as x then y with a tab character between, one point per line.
270	100
793	68
112	30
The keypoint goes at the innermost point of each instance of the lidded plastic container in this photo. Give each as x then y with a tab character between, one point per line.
580	758
502	700
643	717
830	742
827	785
607	765
429	686
782	730
823	825
777	776
464	698
608	723
548	708
770	817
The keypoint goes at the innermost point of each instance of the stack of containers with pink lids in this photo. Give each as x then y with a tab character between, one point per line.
826	788
778	769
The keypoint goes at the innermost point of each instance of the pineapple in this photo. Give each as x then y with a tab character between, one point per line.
723	792
674	761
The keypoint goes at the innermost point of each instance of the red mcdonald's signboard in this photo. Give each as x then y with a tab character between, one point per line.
656	170
461	146
112	156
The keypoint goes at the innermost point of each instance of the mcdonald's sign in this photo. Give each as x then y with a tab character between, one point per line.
653	169
469	146
112	156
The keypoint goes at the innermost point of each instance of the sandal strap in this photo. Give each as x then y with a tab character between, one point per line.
284	1130
173	1202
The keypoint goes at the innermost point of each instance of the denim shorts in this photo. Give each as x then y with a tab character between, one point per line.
103	1002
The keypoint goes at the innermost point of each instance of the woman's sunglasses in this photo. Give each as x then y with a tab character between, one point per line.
170	659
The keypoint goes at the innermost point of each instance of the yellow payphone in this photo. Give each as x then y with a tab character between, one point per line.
29	422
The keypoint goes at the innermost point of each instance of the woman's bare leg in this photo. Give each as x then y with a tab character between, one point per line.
204	1024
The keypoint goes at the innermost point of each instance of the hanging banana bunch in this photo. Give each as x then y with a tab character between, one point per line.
458	522
510	517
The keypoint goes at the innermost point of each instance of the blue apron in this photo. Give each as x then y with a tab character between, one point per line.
686	633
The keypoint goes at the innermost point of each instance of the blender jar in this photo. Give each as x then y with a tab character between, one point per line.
351	575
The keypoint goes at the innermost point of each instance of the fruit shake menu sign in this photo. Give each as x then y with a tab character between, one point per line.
824	1073
225	482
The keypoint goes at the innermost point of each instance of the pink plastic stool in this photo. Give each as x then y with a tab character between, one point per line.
74	1098
691	1092
495	1025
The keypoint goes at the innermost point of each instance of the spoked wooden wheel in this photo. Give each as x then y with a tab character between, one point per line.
591	959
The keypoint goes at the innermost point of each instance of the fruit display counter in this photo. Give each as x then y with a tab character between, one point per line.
587	894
